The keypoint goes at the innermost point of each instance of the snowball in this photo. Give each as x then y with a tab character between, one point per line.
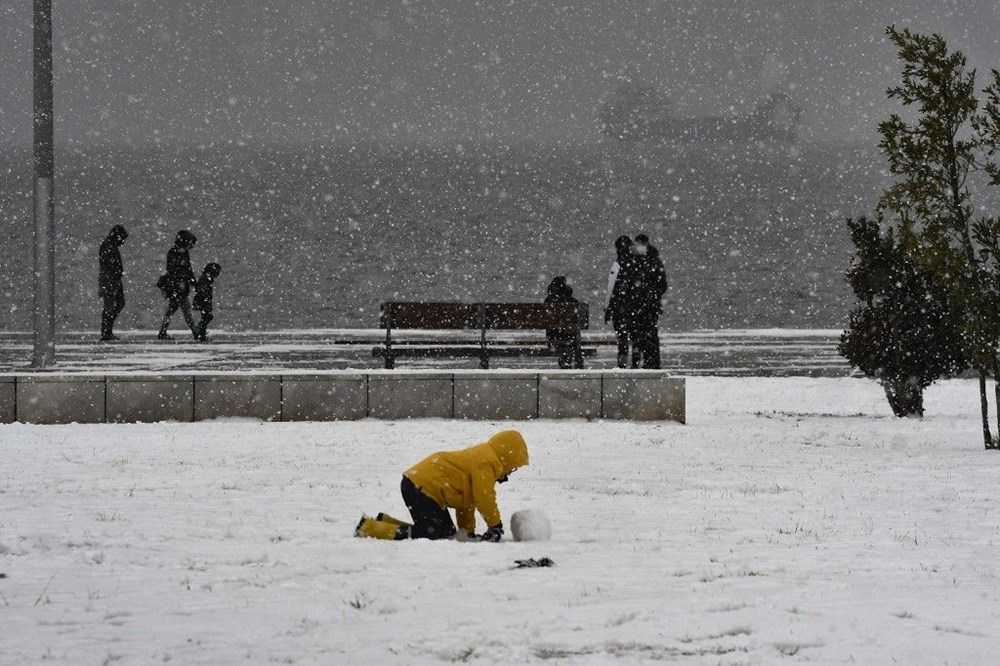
530	525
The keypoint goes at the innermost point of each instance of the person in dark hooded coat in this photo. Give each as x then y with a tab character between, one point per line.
649	282
617	306
176	284
109	280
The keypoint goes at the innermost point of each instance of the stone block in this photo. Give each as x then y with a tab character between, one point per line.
237	396
643	396
150	399
50	399
496	396
396	395
569	395
332	397
8	399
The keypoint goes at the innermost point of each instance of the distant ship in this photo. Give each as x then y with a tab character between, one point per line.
641	113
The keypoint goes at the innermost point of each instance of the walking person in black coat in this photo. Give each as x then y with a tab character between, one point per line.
204	292
176	284
649	285
109	280
617	307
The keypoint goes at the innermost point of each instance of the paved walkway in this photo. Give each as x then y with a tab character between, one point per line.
723	353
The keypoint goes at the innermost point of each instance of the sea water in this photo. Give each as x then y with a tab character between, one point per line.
317	236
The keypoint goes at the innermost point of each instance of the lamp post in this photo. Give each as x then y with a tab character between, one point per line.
44	341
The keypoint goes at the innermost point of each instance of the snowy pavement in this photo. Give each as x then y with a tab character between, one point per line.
770	352
789	520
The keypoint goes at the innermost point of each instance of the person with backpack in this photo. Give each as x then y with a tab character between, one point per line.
204	292
110	286
176	282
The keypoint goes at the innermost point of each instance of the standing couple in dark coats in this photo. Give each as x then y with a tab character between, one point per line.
636	286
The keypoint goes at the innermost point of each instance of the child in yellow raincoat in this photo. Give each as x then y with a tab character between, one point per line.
463	480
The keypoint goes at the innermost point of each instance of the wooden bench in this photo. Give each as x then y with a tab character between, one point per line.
481	318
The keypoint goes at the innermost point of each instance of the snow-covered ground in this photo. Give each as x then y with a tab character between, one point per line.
790	519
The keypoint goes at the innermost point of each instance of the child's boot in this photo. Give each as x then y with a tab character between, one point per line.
375	529
386	518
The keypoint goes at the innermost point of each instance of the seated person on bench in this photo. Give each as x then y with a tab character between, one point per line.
563	339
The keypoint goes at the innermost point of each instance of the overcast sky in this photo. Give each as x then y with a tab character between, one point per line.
309	70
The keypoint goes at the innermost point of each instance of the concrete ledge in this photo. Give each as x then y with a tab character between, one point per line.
8	399
643	396
149	399
410	395
243	396
51	399
324	397
569	395
496	396
476	395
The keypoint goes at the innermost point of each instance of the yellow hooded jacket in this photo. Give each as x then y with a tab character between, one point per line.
466	480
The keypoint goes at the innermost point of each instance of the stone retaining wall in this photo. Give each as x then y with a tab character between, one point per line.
474	395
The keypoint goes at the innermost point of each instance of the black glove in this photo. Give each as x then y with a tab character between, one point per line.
493	534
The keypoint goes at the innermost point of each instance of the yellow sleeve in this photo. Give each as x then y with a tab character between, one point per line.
466	519
485	495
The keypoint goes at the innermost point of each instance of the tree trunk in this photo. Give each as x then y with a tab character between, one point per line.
984	409
996	397
905	398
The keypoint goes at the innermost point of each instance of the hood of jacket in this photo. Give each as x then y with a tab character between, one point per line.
185	239
118	234
510	450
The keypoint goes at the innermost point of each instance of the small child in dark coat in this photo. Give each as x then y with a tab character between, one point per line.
203	293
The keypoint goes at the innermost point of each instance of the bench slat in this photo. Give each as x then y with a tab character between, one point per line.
535	315
472	352
400	338
401	314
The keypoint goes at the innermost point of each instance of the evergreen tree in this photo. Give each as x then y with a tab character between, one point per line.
904	333
933	158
